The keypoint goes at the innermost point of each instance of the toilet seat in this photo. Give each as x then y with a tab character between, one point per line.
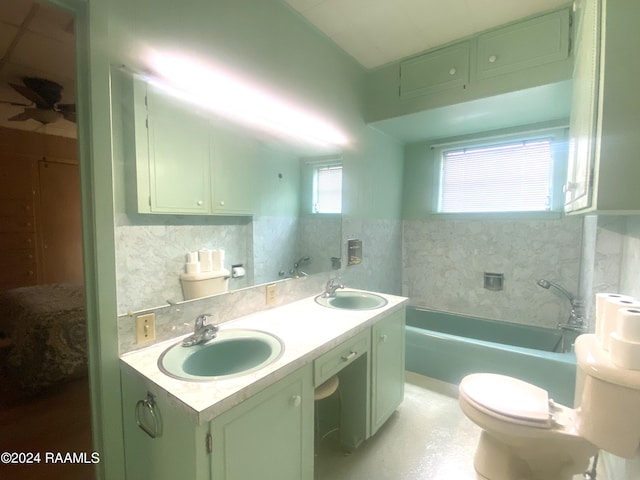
508	398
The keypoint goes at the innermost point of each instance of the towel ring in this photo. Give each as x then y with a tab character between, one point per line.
149	403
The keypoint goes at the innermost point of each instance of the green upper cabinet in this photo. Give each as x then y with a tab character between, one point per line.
187	163
523	45
178	155
522	55
442	69
234	171
603	164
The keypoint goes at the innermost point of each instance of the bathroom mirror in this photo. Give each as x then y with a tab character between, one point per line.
283	236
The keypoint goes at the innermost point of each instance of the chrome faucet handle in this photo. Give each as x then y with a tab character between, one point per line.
201	320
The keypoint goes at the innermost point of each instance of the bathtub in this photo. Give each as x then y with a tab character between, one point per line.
448	346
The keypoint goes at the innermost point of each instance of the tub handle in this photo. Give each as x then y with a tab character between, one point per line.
349	357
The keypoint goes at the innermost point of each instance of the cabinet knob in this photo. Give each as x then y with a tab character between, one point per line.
492	59
452	71
222	203
200	203
383	338
296	400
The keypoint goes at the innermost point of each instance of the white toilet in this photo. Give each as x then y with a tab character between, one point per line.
204	284
526	436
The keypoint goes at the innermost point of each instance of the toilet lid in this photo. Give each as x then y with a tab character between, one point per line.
507	396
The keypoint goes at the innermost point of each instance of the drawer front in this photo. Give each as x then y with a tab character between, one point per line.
17	240
442	69
17	223
527	44
336	359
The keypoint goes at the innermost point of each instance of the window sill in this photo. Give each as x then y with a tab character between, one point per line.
496	215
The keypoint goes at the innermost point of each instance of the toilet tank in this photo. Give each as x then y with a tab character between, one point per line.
607	398
204	284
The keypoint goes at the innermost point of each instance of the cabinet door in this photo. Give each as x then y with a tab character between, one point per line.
60	222
234	171
582	128
179	449
387	383
435	71
269	436
178	155
523	45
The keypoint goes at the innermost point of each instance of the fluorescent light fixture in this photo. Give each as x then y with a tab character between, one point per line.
233	98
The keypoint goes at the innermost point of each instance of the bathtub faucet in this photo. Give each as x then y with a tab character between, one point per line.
576	320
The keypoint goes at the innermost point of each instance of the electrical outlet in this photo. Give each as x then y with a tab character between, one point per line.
271	294
146	327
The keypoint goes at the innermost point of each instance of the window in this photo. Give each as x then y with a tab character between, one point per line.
514	176
327	189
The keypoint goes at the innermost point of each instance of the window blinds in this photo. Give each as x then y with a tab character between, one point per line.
328	191
511	177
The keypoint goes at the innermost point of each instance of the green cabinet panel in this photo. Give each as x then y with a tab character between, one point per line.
387	368
185	161
234	157
178	155
338	358
269	436
523	45
441	69
604	166
584	105
179	449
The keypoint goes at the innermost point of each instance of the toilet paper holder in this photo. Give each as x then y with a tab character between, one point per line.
494	281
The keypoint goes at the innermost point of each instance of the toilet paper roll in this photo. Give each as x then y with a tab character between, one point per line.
206	260
192	267
628	324
601	301
624	354
609	317
238	272
192	257
217	259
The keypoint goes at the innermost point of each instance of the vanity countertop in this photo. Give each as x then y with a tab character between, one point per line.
307	330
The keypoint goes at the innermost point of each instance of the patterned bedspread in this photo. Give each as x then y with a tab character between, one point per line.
46	324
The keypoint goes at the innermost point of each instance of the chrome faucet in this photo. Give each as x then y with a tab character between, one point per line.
202	331
576	321
330	288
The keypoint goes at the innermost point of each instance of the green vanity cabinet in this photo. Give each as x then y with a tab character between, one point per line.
603	164
387	380
179	449
269	436
187	161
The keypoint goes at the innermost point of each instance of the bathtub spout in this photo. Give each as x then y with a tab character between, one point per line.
576	320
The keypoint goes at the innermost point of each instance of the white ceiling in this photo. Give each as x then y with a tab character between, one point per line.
376	32
36	40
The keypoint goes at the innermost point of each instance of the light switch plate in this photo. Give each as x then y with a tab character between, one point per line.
271	294
146	327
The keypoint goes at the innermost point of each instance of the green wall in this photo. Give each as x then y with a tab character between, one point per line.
264	41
